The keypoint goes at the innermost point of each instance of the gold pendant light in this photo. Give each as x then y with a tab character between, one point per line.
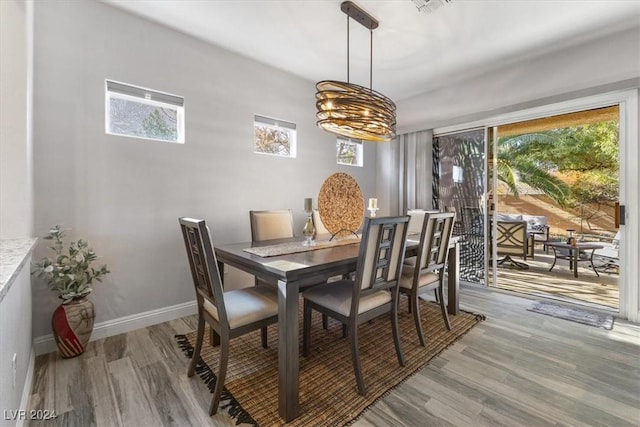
351	110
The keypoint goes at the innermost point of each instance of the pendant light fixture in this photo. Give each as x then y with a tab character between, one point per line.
351	110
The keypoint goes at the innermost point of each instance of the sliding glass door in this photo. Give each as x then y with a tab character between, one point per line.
459	184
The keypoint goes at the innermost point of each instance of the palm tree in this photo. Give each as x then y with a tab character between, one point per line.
517	164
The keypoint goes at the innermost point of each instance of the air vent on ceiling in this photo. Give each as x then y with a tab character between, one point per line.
429	6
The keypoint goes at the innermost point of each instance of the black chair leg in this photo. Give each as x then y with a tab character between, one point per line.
443	307
263	337
396	332
416	318
222	373
355	357
214	338
196	352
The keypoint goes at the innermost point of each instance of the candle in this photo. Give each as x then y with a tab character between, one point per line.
373	203
308	204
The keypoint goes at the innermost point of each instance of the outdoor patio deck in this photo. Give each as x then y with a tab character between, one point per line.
587	288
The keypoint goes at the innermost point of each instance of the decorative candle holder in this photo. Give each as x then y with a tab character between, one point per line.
309	229
373	207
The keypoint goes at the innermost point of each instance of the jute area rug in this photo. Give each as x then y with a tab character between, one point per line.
328	392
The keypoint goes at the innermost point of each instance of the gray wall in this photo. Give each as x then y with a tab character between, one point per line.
124	195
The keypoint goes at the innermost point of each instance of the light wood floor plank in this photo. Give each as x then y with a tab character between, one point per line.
102	394
134	404
517	368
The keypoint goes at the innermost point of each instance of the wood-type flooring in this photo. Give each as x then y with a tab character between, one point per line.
516	368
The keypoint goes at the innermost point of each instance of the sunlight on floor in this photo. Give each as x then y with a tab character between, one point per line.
539	281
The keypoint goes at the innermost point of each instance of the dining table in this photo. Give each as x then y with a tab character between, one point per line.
291	273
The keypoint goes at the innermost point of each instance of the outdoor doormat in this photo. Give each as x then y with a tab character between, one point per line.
575	314
328	392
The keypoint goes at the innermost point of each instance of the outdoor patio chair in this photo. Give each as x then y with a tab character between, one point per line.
606	258
512	240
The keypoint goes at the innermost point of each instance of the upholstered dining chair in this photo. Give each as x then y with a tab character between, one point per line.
271	224
373	292
416	218
317	223
426	272
230	314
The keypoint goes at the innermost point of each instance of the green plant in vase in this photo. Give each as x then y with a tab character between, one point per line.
71	273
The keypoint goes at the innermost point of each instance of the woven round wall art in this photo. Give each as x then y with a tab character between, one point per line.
341	205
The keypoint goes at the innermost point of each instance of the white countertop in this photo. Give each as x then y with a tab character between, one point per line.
13	255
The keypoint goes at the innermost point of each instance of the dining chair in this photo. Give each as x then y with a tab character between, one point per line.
426	272
373	292
317	223
230	314
416	218
271	224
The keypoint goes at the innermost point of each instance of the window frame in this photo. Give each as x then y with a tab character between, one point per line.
273	123
145	96
359	151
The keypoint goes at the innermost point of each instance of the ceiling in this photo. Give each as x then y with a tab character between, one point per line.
413	52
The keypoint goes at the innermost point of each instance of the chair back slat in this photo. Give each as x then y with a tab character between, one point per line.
203	264
434	240
381	252
272	224
511	237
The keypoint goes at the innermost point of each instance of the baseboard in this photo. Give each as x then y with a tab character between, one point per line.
46	344
26	390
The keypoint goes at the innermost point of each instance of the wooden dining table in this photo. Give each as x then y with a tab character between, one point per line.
294	272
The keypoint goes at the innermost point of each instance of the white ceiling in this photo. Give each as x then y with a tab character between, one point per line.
413	52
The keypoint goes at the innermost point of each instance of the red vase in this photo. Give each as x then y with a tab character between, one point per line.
72	325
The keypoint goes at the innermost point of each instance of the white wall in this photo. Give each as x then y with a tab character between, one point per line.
15	338
526	83
16	215
15	146
125	195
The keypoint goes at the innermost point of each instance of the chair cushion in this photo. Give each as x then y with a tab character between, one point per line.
406	279
247	305
337	296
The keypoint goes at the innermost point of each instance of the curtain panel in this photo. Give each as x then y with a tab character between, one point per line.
411	172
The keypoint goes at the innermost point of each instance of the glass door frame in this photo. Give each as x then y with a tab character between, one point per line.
627	99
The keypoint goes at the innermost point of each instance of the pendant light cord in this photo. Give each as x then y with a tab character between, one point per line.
371	59
370	56
348	49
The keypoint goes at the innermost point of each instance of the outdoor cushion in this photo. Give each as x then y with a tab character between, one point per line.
508	217
537	227
535	220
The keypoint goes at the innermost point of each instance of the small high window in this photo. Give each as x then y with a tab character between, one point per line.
349	152
273	136
143	113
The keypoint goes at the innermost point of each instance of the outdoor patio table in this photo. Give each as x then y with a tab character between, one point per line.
563	250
